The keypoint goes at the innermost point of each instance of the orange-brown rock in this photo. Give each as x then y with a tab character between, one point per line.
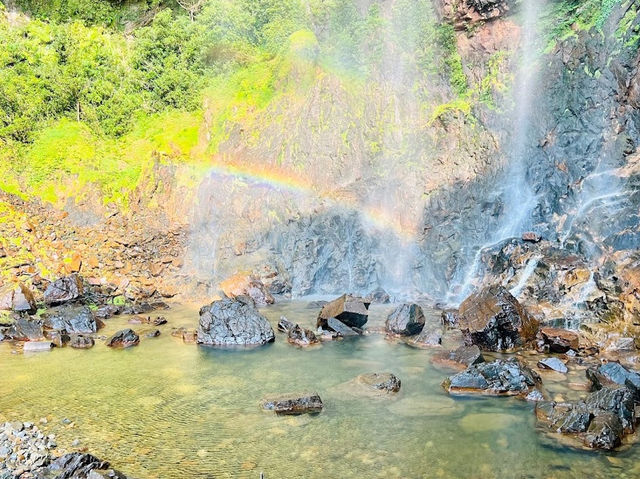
245	284
560	340
495	321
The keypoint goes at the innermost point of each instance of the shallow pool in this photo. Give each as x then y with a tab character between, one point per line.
169	410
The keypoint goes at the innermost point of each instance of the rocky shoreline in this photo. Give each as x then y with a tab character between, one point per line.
28	453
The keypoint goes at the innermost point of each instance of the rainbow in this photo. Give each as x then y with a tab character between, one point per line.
283	180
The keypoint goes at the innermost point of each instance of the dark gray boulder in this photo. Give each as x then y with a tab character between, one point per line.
72	320
600	421
77	465
233	322
349	310
406	320
559	340
495	321
605	432
293	403
613	373
65	289
125	338
285	325
342	329
499	378
25	329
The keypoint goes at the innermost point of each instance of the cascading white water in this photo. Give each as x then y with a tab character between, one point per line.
529	269
516	194
602	189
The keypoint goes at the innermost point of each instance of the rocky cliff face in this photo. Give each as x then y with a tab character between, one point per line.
443	188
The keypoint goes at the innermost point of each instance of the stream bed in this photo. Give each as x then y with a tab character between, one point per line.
165	410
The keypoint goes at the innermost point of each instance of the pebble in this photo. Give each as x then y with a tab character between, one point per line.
24	449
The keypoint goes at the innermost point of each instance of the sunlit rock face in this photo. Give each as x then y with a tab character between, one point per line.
467	13
415	209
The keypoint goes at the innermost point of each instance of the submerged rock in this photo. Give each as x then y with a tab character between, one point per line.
349	310
406	320
63	290
294	403
123	339
600	421
494	320
234	322
341	329
72	320
380	382
429	337
499	378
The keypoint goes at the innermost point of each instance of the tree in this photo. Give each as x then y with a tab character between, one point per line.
192	6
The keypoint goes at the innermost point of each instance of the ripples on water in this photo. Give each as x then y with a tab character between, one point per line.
170	410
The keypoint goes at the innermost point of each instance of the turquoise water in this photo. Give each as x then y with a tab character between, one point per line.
169	410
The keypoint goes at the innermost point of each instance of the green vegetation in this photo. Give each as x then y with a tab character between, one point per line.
567	17
96	92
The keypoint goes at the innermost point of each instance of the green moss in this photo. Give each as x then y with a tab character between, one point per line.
459	105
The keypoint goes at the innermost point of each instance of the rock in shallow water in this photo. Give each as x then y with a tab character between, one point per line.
80	341
349	310
125	338
381	382
293	403
463	357
553	364
406	320
37	346
233	322
301	337
612	374
600	421
494	320
72	320
498	378
25	329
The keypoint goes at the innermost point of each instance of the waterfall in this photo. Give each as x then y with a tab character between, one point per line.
531	266
515	192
